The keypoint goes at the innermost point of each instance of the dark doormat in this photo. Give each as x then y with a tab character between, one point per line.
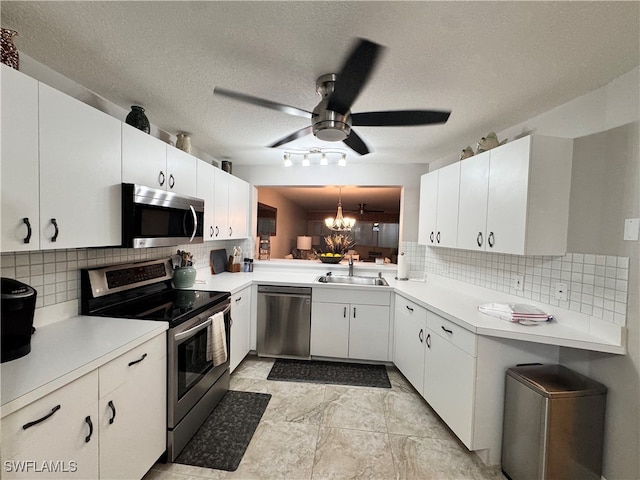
337	373
223	438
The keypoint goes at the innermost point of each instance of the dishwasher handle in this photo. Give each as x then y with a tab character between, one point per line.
284	291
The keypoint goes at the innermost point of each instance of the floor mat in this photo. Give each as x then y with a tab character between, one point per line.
337	373
223	438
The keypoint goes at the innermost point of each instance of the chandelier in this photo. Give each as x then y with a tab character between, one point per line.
340	223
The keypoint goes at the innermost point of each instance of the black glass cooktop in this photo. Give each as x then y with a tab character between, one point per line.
169	305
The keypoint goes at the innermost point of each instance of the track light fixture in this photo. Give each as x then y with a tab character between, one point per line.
316	156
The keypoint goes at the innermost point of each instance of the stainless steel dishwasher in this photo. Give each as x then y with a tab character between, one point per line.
284	321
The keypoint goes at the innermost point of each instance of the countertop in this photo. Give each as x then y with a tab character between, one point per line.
66	350
455	301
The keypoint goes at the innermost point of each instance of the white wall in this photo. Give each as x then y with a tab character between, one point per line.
291	221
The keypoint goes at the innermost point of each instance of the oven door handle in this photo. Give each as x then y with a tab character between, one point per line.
197	328
191	331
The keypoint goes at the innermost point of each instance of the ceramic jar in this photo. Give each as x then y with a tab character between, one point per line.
183	142
184	277
137	118
10	55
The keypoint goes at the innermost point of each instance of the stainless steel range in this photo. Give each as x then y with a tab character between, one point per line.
143	291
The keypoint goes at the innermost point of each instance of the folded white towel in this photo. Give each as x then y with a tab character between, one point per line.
217	340
519	313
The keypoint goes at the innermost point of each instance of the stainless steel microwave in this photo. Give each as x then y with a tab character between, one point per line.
156	218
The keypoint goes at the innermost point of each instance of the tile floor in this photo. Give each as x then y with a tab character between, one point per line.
315	432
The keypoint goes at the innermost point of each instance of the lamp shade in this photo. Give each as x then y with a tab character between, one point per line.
304	243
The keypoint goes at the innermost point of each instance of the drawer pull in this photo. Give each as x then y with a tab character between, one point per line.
113	410
409	308
40	420
139	360
90	423
421	335
428	340
446	329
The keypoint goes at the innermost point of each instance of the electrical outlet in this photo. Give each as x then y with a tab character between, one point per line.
517	282
561	292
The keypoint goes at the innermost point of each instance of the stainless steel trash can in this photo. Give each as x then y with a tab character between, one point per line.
553	424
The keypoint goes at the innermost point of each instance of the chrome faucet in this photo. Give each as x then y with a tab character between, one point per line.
351	265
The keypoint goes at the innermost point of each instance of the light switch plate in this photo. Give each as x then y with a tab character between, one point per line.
561	292
517	282
631	229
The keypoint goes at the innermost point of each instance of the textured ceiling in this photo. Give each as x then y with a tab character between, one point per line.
494	64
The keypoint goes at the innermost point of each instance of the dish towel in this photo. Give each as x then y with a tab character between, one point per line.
217	340
517	313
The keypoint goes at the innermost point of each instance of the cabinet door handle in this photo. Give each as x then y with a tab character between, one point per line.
113	411
479	239
438	237
161	178
491	239
172	181
211	231
139	360
421	335
27	239
409	308
217	231
230	231
54	222
238	299
431	237
354	312
428	340
40	420
90	423
446	330
344	313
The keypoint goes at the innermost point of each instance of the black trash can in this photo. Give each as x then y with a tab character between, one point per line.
553	424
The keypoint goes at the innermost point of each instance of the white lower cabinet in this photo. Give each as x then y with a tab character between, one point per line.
241	326
108	424
348	323
56	436
460	374
133	411
410	326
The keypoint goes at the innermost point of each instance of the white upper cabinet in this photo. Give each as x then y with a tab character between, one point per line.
520	191
204	189
474	189
221	205
439	192
182	168
238	207
20	188
149	161
80	173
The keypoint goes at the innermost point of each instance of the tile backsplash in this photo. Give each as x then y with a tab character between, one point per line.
597	284
55	274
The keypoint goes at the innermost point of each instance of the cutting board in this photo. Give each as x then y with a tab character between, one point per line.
218	261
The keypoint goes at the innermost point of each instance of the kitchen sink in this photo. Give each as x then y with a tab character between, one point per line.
353	280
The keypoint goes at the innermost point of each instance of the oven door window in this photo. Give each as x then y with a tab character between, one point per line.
192	361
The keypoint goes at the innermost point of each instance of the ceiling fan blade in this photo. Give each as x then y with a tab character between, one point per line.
399	118
261	102
294	136
354	142
353	76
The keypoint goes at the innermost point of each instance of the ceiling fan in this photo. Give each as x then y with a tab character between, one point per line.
331	119
362	209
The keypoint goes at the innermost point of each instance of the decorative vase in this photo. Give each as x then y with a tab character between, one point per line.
10	55
184	277
226	166
183	142
137	118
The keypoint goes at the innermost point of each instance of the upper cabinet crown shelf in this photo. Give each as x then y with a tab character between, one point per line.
63	162
512	199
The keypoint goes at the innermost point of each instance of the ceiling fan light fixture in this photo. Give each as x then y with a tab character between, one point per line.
305	160
323	160
287	160
342	162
